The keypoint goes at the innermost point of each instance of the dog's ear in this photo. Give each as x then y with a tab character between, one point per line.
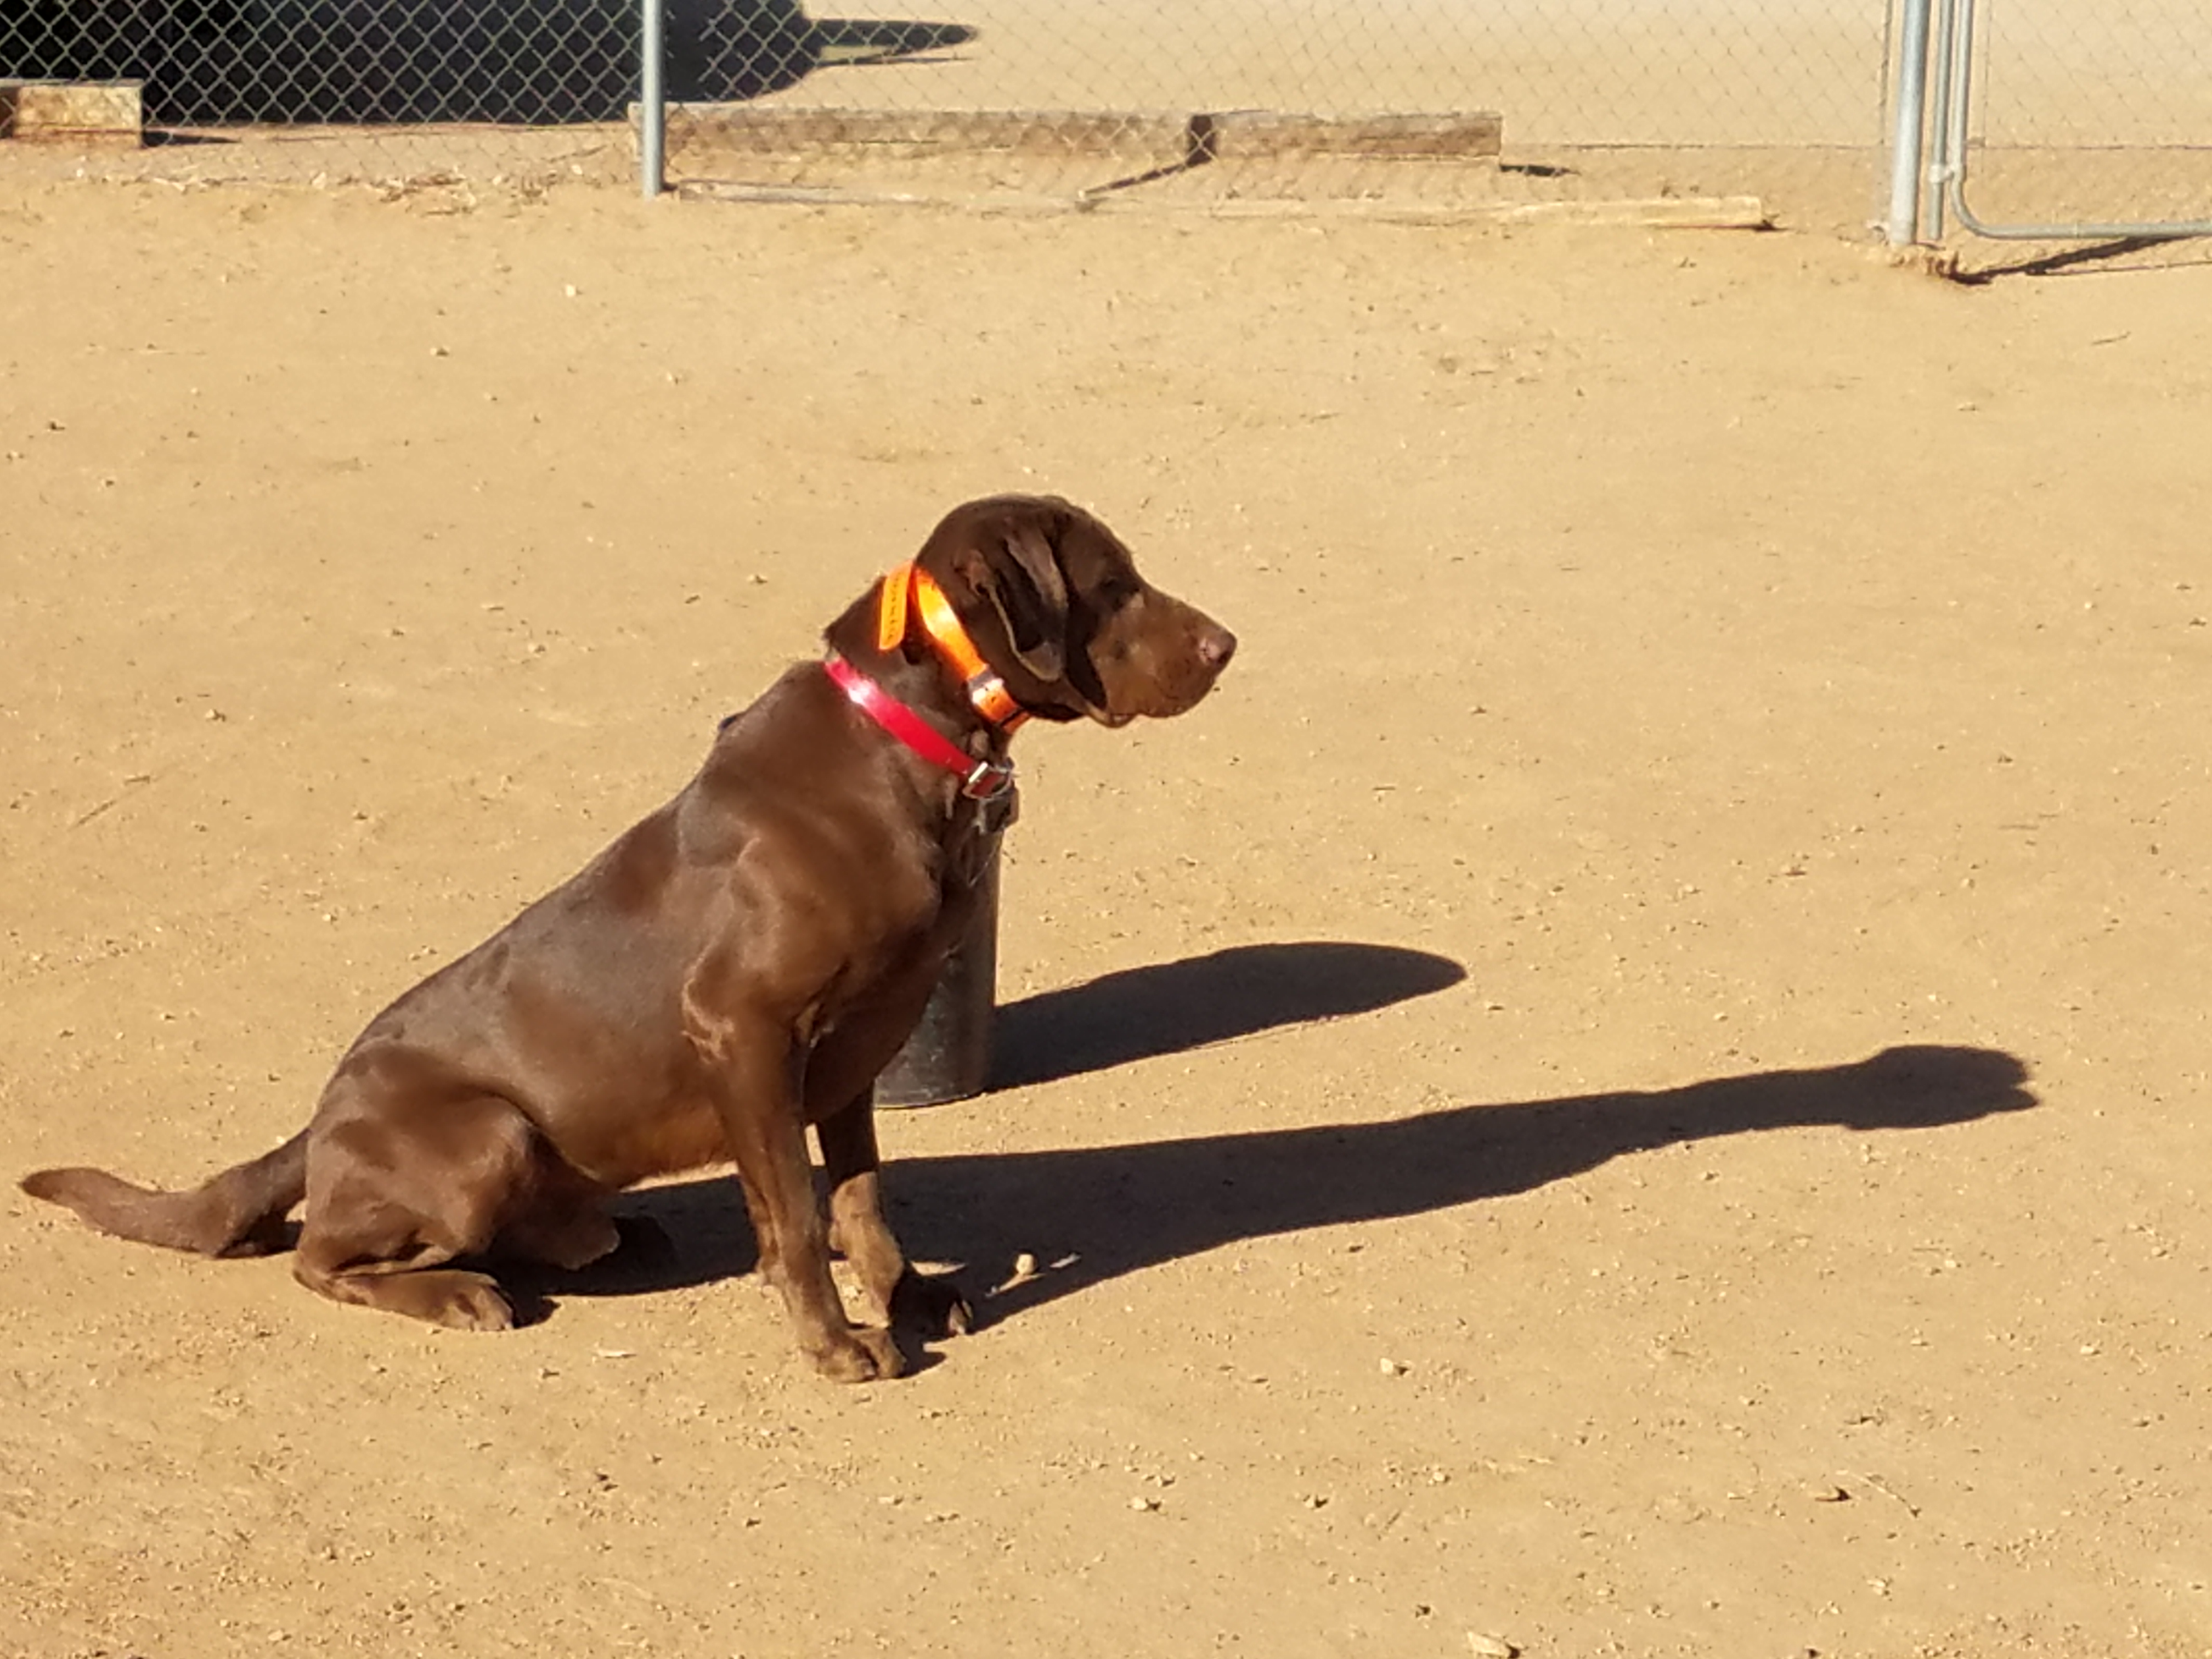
1016	569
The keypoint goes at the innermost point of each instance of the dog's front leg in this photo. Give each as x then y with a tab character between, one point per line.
931	1305
758	1099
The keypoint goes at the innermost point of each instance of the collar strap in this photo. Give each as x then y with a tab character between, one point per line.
986	689
980	780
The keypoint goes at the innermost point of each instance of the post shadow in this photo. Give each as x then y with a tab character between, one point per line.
1105	1211
1172	1007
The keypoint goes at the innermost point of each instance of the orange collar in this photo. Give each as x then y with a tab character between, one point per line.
986	690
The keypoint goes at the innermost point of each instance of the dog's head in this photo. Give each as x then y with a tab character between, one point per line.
1055	602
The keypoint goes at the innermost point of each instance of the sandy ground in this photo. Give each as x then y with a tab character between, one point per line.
1634	1083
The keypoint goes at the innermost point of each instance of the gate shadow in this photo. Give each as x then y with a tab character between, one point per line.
1098	1212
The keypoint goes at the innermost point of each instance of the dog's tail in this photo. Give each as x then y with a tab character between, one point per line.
239	1212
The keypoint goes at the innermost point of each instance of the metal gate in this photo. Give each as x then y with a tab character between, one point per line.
2058	110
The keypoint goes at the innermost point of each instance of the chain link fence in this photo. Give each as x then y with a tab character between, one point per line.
234	63
1591	98
1210	103
385	90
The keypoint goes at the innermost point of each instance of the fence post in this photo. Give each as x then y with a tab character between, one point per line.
1904	156
653	101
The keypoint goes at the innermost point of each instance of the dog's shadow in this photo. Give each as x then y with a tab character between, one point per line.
1093	1213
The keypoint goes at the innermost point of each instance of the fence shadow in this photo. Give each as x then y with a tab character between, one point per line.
514	62
1094	1213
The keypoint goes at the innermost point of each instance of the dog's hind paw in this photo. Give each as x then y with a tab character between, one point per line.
467	1301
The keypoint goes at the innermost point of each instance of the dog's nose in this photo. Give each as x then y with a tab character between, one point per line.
1215	646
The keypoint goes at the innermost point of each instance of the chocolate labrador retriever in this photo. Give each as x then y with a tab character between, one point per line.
739	965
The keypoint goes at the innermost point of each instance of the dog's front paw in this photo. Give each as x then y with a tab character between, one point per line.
859	1354
931	1305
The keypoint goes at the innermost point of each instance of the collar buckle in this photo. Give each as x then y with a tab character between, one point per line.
988	780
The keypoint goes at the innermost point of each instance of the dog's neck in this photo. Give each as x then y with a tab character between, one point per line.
883	639
917	675
977	800
910	601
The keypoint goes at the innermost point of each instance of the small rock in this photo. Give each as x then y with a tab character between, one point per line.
1395	1368
1143	1505
1025	1266
1826	1492
1488	1647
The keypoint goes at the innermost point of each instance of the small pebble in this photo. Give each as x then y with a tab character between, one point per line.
1395	1368
1025	1266
1143	1505
1488	1647
1825	1493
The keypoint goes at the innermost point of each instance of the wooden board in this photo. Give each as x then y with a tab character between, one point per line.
1155	140
80	111
1239	135
905	133
1644	213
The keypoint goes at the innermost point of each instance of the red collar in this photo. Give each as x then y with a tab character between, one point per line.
980	780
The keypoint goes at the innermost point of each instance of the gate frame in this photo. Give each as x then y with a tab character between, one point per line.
1934	135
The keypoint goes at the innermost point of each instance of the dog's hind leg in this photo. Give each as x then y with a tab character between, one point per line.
397	1190
562	1221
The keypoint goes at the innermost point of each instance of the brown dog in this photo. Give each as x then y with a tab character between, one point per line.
739	965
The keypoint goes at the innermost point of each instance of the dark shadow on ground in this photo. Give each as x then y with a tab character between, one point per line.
1170	1007
1094	1213
538	62
2096	258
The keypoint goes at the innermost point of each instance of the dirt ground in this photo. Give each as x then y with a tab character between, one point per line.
1635	1083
